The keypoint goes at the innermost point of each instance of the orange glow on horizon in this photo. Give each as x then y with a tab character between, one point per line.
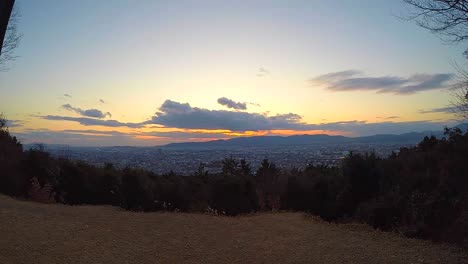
148	137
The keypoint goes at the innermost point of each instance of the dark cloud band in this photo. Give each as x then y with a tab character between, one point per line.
232	104
182	115
172	114
93	122
448	110
96	113
353	80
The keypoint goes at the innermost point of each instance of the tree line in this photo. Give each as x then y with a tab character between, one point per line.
420	191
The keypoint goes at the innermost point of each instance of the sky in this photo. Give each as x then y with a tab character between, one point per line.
144	73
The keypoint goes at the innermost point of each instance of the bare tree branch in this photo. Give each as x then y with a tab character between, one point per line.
11	40
6	6
448	19
459	94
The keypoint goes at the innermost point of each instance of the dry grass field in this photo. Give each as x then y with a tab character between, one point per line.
52	233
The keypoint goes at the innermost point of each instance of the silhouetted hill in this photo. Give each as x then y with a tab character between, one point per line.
262	141
277	141
407	138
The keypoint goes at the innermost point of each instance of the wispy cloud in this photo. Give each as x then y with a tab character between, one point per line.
262	72
14	123
93	122
232	104
96	113
172	134
112	138
448	110
388	117
80	138
353	80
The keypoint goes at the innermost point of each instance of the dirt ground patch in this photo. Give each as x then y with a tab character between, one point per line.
53	233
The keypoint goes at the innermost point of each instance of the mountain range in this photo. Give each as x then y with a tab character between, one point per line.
277	141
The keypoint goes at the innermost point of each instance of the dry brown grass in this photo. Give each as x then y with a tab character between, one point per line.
51	233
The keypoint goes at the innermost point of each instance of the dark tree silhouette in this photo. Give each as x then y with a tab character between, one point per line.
245	168
11	151
6	6
447	18
230	166
460	94
9	36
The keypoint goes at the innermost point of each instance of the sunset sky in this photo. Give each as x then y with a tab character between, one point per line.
153	72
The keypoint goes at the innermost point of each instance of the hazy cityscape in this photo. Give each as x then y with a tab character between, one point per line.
162	160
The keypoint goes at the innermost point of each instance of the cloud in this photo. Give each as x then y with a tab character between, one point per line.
448	110
182	115
93	122
187	135
353	80
112	138
232	104
79	138
290	116
333	76
262	72
96	113
165	134
14	123
388	117
67	95
187	121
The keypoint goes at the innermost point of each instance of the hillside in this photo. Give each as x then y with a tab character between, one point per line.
53	233
278	141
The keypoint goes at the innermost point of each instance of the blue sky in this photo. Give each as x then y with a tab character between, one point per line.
131	59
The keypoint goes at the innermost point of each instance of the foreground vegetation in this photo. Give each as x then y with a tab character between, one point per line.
420	191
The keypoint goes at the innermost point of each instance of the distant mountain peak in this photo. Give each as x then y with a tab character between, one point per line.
306	139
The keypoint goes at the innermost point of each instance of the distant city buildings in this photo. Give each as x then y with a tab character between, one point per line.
187	161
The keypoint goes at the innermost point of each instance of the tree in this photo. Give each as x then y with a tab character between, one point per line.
3	123
448	19
11	150
459	94
6	6
245	168
9	36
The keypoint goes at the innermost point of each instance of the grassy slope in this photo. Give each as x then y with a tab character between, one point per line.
40	233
